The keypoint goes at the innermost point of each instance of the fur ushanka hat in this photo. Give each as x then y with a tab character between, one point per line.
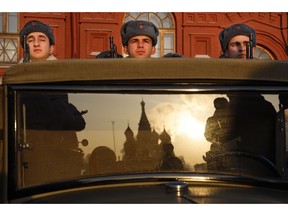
36	26
234	30
139	27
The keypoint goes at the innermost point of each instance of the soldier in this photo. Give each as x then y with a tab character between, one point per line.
250	119
51	121
234	39
139	38
37	40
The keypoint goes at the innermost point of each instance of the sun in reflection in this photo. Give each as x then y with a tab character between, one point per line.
180	119
186	124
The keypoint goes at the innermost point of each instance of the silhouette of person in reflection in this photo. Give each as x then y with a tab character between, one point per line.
217	132
212	157
283	115
283	101
102	161
50	123
52	112
169	161
248	124
254	122
217	126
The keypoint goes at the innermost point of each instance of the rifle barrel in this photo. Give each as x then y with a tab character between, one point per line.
113	48
26	57
249	47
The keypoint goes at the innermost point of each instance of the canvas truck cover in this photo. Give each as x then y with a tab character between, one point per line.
147	69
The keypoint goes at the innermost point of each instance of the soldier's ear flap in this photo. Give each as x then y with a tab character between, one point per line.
52	49
125	49
153	50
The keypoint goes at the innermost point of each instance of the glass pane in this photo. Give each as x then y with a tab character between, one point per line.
167	23
10	44
8	49
143	16
155	20
15	58
12	22
168	41
162	15
264	56
168	51
128	19
11	55
134	15
261	53
256	53
63	136
158	45
157	54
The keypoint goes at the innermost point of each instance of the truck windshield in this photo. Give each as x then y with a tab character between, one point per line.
61	136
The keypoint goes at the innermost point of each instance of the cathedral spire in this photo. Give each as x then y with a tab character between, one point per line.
165	137
144	124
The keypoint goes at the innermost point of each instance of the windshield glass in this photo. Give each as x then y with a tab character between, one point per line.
62	136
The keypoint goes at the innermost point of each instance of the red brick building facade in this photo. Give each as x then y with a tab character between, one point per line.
83	35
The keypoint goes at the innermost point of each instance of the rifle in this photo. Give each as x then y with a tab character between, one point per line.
26	57
113	48
249	47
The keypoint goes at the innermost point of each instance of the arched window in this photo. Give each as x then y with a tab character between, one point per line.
262	53
166	26
8	38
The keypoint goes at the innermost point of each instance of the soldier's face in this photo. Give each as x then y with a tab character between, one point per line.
237	47
39	46
139	47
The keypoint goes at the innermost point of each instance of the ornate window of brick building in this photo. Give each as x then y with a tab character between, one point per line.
262	53
9	38
166	26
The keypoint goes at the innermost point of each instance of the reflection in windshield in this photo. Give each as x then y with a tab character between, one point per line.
244	124
49	143
181	117
125	133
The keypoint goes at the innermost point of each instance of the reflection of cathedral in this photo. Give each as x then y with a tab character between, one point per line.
147	151
147	145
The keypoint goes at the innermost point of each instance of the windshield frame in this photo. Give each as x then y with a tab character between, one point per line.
126	87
